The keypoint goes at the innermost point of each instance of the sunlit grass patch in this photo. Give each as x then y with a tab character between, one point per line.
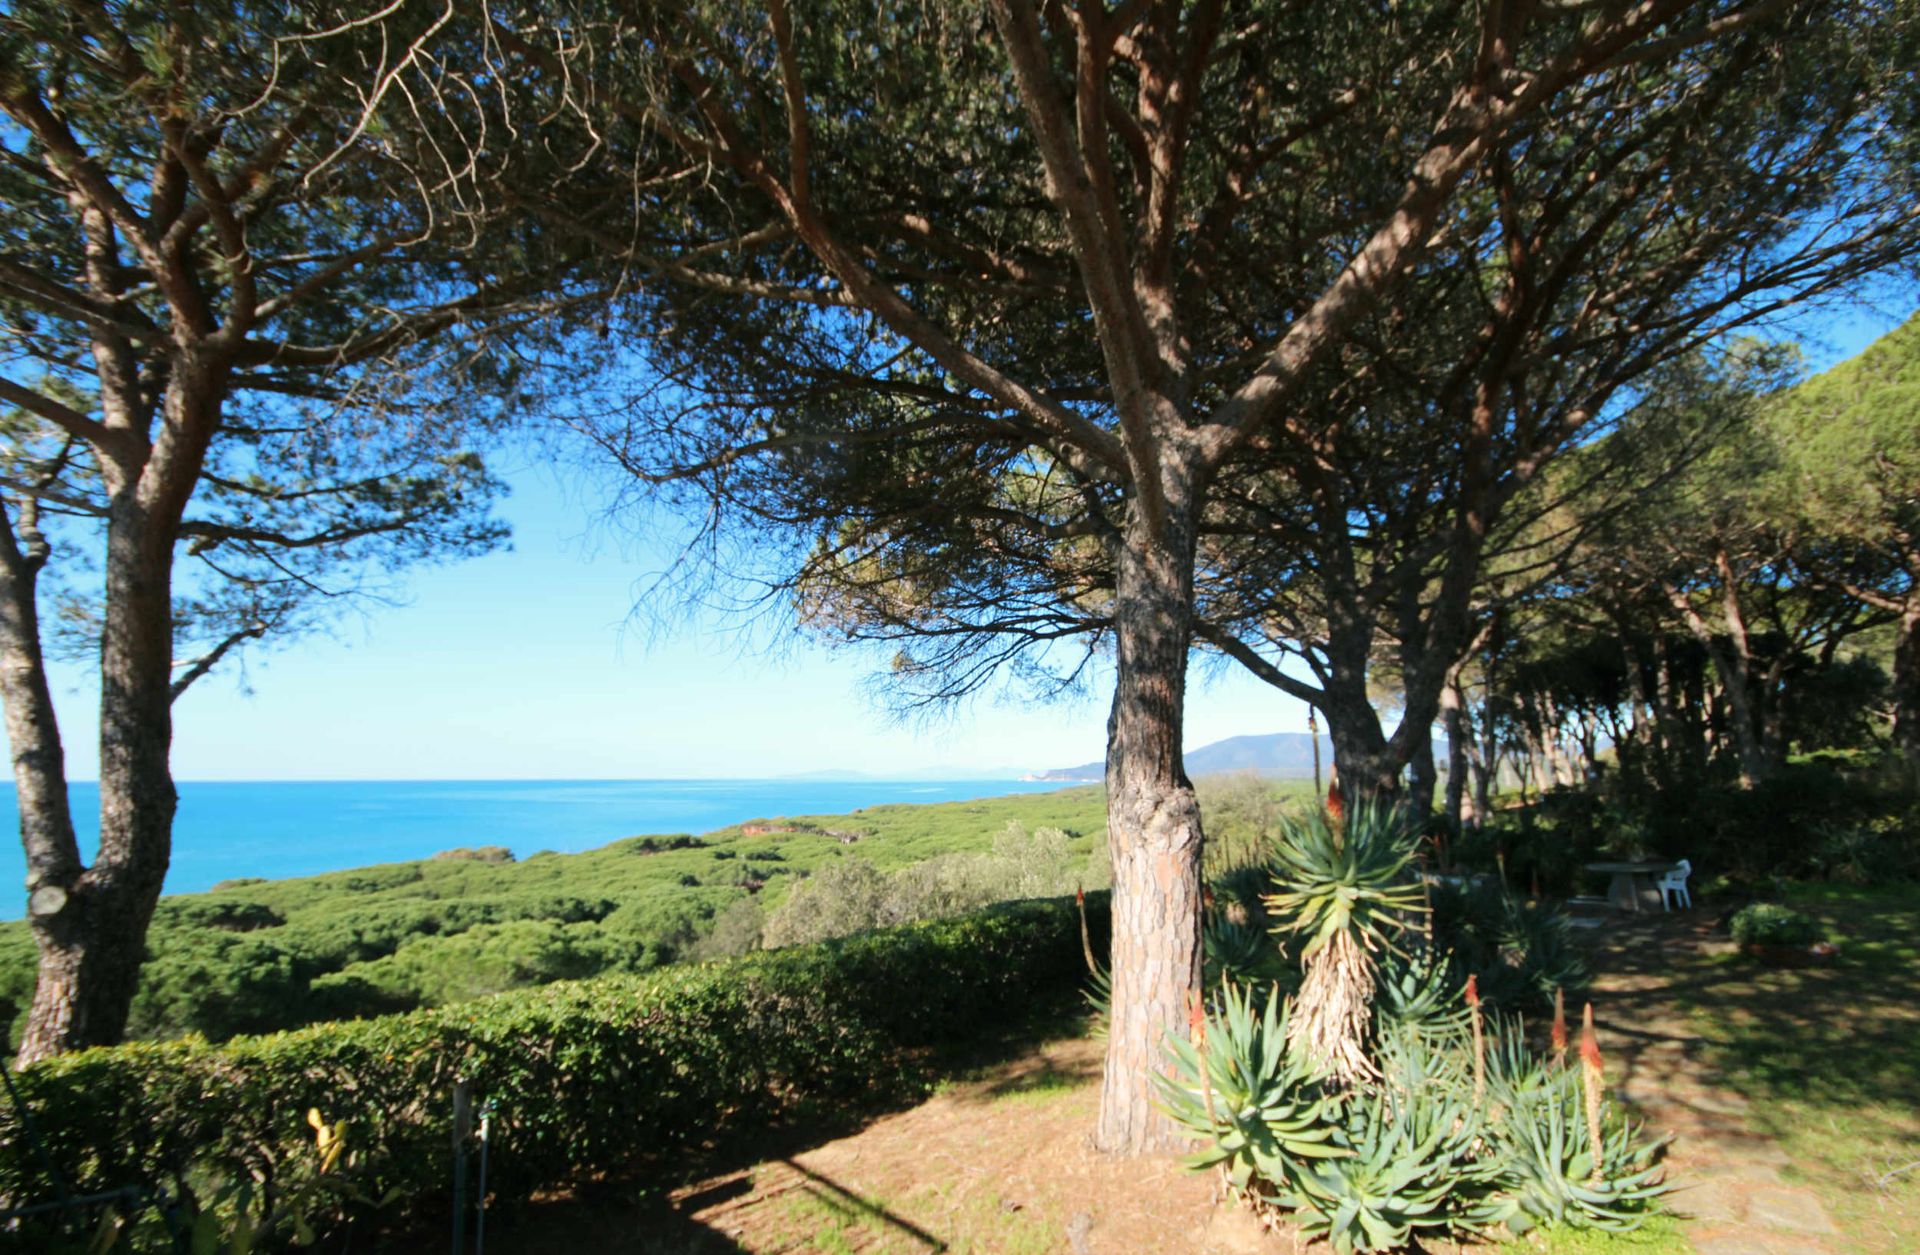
1659	1235
1826	1056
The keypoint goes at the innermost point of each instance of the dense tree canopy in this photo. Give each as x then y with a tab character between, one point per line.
1850	441
976	323
1733	617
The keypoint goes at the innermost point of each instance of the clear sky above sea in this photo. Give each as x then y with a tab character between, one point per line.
527	664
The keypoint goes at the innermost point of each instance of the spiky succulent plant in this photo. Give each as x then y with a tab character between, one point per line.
1548	1176
1254	1105
1346	887
1233	950
1411	1165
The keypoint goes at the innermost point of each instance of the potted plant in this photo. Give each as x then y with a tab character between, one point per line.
1780	936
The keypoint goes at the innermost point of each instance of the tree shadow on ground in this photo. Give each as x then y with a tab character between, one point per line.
1037	1077
652	1214
1838	1036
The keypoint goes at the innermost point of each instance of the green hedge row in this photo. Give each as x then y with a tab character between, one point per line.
589	1077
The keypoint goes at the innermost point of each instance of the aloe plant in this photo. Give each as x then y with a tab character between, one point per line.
1254	1105
1517	1078
1411	1164
1099	998
1232	950
1420	991
1547	1174
1345	886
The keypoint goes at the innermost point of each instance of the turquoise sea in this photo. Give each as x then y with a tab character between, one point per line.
298	828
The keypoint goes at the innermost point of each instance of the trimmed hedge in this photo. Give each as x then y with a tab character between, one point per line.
588	1077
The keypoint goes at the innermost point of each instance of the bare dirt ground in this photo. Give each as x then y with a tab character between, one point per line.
999	1162
996	1162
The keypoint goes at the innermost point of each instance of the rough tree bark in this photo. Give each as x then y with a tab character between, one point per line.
1460	807
90	921
1153	821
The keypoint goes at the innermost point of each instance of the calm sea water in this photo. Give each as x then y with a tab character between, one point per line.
298	828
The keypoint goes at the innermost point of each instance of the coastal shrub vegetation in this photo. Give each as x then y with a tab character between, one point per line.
851	894
257	956
586	1078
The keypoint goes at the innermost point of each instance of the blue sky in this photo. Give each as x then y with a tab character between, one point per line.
527	664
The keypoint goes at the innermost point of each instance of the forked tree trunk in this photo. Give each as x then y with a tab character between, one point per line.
91	933
1153	828
90	923
1360	758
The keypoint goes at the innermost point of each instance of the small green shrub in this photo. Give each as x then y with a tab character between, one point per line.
1769	924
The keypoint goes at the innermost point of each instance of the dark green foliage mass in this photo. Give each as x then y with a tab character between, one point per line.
588	1078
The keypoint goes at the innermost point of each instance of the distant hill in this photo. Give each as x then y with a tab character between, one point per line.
1276	754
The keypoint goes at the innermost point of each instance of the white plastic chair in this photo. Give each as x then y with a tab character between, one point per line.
1673	886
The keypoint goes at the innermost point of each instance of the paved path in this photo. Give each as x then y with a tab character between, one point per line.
1732	1197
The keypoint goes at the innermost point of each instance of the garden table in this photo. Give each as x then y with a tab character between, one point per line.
1634	886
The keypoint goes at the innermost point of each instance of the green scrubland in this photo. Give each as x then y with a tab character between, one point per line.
259	956
262	956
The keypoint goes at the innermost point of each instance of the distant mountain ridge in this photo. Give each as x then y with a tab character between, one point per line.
1287	754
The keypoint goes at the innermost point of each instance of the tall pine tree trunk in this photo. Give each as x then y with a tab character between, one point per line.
92	935
1906	680
1153	825
1421	775
1453	722
40	781
90	923
1359	747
